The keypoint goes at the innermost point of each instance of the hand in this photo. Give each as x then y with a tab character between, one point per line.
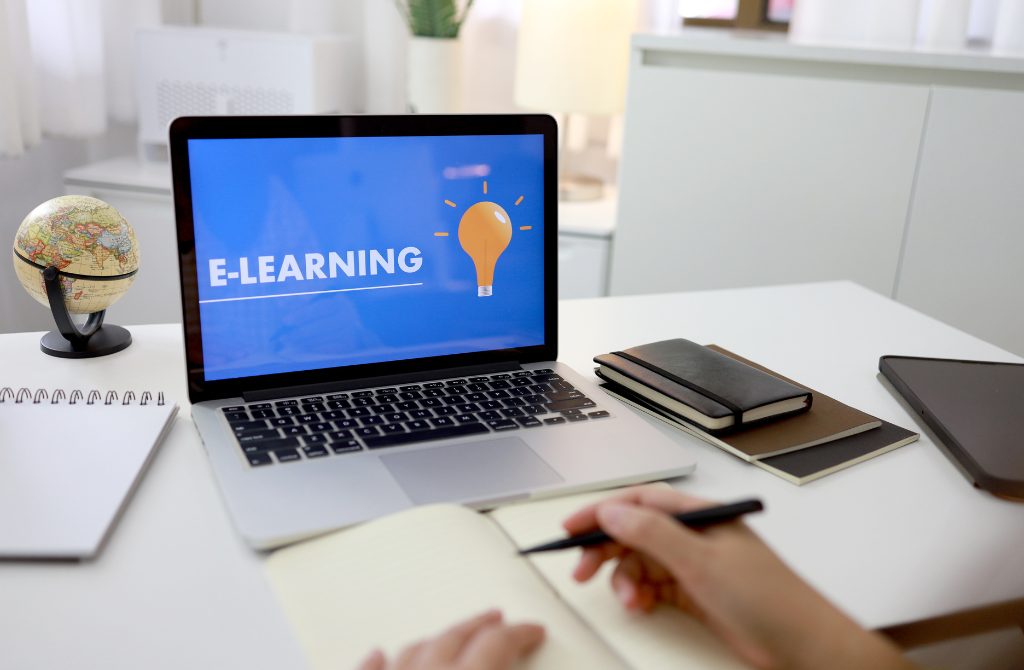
727	578
484	642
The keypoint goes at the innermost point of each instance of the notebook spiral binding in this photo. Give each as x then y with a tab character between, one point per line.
39	396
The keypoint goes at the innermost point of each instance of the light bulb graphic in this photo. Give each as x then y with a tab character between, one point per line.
485	231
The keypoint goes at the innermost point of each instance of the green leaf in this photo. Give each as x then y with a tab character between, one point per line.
433	18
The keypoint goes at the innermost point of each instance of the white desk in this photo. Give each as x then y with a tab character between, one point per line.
900	538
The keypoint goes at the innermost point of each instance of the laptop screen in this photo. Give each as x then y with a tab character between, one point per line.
326	252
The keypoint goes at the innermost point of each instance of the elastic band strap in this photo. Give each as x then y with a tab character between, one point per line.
737	411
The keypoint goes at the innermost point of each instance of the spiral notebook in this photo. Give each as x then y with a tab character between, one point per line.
69	462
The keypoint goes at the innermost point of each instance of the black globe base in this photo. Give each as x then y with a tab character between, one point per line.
108	339
70	341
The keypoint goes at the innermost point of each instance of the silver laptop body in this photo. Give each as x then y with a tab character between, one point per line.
347	356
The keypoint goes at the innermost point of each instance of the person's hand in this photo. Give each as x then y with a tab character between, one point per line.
484	642
727	578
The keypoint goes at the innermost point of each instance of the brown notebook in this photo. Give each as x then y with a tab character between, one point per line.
826	420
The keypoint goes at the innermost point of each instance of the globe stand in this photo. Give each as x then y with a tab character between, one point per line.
93	339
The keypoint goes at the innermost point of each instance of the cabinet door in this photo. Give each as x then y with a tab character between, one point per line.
964	256
582	266
733	178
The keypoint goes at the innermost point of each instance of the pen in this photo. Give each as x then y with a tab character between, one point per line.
700	518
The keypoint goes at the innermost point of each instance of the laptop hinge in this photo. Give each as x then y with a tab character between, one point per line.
382	380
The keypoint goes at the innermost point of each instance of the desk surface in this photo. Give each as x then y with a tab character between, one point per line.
897	539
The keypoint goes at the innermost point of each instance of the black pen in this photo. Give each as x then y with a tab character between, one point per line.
700	518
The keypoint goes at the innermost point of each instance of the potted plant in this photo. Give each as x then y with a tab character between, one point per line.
434	53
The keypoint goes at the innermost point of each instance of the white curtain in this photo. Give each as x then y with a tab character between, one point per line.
66	66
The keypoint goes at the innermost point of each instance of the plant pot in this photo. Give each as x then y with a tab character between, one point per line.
435	75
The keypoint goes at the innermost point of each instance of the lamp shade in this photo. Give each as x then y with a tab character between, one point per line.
573	55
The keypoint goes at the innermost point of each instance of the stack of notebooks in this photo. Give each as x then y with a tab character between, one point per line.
754	413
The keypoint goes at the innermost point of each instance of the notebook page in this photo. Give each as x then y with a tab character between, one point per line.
665	638
397	580
67	470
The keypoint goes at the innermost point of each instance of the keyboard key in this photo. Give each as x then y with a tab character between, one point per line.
503	424
475	397
333	414
433	393
466	418
528	421
282	421
468	407
477	380
512	412
318	438
345	446
500	384
535	409
420	414
520	391
307	418
363	402
409	387
501	393
424	435
555	419
289	410
367	431
359	412
545	377
386	389
259	458
339	404
372	420
294	430
556	396
244	426
313	398
309	408
392	428
600	414
339	435
563	386
433	385
270	445
431	402
513	402
503	375
456	382
395	417
346	423
410	395
477	387
361	394
257	435
569	412
320	427
522	373
417	425
337	396
387	398
445	411
315	451
535	399
577	417
233	409
286	455
457	390
490	404
541	388
386	408
407	405
489	415
582	402
286	403
520	380
442	421
234	417
454	400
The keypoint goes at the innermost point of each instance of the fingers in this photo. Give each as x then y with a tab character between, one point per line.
449	644
375	661
499	646
659	497
652	532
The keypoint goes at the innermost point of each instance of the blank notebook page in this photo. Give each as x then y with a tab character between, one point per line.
664	638
397	580
66	472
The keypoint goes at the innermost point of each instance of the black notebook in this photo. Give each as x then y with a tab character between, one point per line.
704	386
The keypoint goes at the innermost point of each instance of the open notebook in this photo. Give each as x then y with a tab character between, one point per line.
399	579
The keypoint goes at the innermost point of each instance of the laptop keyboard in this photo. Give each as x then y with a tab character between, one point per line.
283	431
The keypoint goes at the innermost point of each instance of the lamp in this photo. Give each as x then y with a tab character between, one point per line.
573	57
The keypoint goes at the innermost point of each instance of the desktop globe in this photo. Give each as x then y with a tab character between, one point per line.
77	255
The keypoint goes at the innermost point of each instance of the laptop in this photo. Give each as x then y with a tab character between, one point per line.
371	321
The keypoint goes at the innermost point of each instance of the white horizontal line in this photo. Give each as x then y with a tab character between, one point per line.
289	295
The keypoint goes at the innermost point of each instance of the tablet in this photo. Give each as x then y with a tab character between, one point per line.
975	411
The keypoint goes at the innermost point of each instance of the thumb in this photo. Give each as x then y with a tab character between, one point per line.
652	532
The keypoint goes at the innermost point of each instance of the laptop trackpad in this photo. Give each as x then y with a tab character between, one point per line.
470	471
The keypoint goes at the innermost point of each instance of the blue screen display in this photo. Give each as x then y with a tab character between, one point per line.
323	252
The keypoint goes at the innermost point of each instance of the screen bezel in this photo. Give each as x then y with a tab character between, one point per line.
184	129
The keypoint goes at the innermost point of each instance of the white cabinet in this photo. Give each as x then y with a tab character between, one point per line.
752	161
142	193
